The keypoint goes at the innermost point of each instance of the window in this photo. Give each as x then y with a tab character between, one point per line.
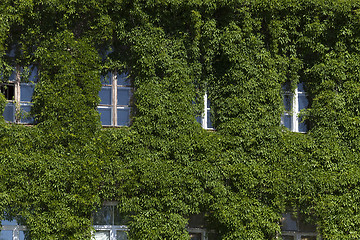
115	96
11	230
294	102
109	224
19	95
205	118
197	233
294	229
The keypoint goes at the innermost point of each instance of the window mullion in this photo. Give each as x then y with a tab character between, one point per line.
204	119
295	109
114	99
17	94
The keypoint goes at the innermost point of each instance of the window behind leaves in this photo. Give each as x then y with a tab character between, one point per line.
294	102
115	96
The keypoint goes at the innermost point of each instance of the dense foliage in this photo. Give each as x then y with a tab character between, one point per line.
165	167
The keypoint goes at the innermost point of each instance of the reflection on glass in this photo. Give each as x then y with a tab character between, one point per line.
123	96
123	79
121	235
25	114
302	126
208	120
123	117
105	95
102	235
6	235
303	102
26	92
287	102
104	216
105	116
9	112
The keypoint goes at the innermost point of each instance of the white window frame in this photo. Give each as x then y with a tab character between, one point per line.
114	97
16	82
294	113
15	230
205	114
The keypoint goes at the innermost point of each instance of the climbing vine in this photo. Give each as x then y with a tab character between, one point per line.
165	168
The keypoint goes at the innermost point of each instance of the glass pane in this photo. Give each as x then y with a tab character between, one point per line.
102	235
25	114
8	90
26	91
9	112
22	236
195	236
199	119
104	216
287	102
208	120
33	73
6	235
303	102
286	87
105	95
123	79
106	79
9	223
13	76
121	235
105	115
301	87
120	219
287	121
123	96
302	126
308	237
123	117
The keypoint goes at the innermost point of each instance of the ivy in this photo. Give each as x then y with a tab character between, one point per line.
165	167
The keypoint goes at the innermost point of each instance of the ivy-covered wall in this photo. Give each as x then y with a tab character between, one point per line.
165	167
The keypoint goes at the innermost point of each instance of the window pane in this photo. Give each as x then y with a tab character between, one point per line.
123	117
301	87
287	102
199	119
25	114
208	120
106	79
123	79
105	95
8	90
302	126
6	235
9	112
303	102
121	235
123	96
26	91
286	120
9	223
102	235
105	115
104	216
33	73
13	76
120	219
22	236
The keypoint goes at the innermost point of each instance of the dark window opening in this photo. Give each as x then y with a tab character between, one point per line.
8	90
